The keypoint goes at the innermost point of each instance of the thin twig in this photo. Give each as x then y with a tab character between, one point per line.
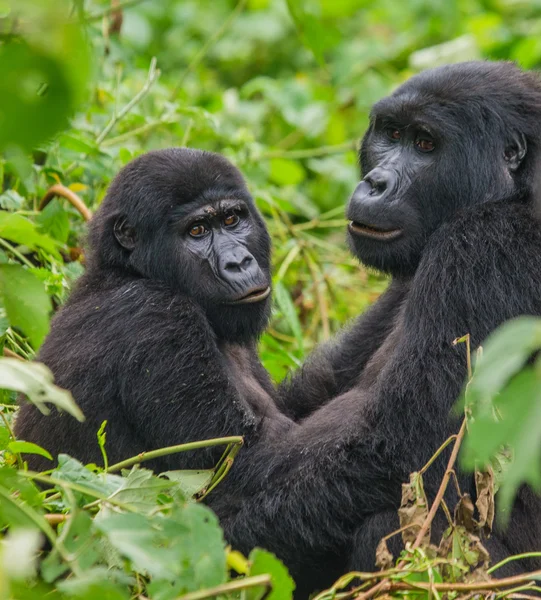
137	131
512	558
311	152
144	456
61	190
55	518
153	74
443	487
10	354
229	588
16	253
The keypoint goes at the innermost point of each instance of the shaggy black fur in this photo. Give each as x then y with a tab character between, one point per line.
158	337
445	206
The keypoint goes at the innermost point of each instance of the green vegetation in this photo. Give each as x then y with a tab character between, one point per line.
283	89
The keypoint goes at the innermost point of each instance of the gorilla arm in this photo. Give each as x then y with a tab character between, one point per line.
348	460
334	367
176	384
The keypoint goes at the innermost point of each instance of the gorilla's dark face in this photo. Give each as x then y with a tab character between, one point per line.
447	139
185	218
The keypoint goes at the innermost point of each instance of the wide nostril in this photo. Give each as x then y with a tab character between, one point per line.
235	266
246	262
377	181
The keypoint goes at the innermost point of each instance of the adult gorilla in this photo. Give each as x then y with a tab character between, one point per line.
159	335
449	168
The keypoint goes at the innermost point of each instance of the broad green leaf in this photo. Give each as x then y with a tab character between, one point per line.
79	541
54	220
20	230
140	489
190	482
26	302
518	410
263	562
97	582
32	85
21	447
35	381
504	354
11	200
285	304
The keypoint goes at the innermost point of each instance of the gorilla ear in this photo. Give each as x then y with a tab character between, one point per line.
124	233
515	151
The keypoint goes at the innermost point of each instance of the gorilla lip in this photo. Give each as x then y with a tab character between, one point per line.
253	296
374	233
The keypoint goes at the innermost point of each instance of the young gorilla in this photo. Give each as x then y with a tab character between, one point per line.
159	335
445	206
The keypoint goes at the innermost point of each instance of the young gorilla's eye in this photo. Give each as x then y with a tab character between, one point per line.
393	134
198	230
425	144
231	220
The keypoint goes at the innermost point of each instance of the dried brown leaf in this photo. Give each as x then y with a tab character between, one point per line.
413	509
464	514
384	559
484	485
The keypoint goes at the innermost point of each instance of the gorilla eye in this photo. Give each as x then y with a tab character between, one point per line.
231	220
424	144
393	134
198	230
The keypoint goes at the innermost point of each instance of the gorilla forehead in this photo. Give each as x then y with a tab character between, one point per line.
491	90
164	179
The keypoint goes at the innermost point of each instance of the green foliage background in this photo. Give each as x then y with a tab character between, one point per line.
284	89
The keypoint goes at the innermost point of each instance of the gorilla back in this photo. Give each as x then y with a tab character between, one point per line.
158	338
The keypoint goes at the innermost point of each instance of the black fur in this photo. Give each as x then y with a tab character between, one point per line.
465	256
147	340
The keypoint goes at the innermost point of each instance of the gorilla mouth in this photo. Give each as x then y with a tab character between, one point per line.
255	295
374	233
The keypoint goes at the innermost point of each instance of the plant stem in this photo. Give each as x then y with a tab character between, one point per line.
228	588
153	75
443	487
512	558
16	253
144	456
61	190
311	152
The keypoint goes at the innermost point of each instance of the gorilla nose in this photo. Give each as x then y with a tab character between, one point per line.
379	180
237	263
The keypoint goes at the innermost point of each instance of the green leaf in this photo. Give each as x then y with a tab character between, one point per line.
263	562
285	304
26	302
25	70
190	482
54	221
11	200
504	353
35	380
518	410
20	230
21	447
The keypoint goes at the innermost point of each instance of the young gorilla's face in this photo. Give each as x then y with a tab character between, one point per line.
442	142
193	225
